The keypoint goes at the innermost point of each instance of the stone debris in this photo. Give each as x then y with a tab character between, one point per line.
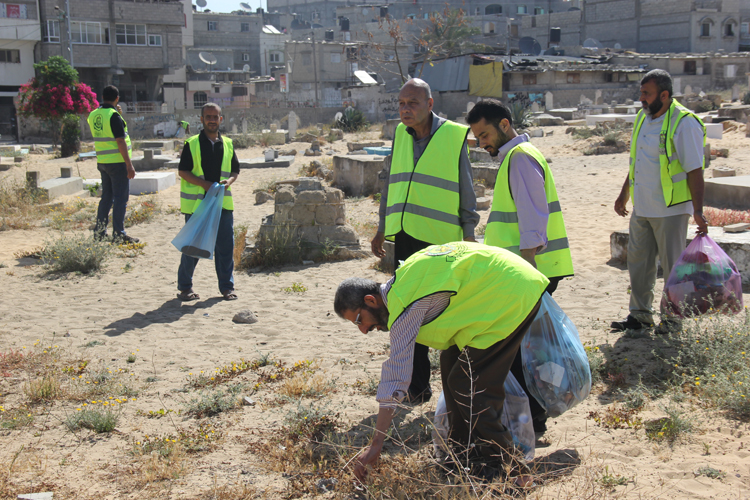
288	152
47	495
327	484
314	149
737	228
358	146
262	196
484	203
248	401
479	189
245	316
336	134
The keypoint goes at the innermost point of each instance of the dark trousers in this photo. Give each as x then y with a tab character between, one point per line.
538	413
115	194
223	257
404	247
474	394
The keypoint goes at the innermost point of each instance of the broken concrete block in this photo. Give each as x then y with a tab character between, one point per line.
262	197
66	172
479	189
308	184
311	197
325	215
737	228
61	186
151	182
484	203
724	172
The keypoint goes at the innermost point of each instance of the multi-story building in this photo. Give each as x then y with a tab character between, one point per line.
238	32
132	45
19	33
174	88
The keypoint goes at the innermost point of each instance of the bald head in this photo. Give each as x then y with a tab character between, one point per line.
418	83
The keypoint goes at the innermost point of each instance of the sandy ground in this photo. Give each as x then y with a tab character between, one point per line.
133	309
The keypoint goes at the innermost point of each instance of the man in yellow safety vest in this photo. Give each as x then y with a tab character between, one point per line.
665	183
207	158
472	302
429	197
112	144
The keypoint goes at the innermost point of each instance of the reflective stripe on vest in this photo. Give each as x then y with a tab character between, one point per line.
190	194
502	229
493	292
673	178
105	143
424	200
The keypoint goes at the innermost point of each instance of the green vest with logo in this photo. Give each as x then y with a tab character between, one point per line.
184	124
493	291
423	199
673	178
502	226
190	194
104	139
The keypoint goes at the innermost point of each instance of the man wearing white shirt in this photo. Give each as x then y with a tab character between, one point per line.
665	182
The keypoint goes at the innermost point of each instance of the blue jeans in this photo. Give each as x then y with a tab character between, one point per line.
223	257
115	194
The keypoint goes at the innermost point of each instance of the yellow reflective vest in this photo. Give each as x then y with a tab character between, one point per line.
673	178
424	199
493	292
502	226
104	139
190	194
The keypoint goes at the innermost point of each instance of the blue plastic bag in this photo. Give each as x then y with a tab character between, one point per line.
555	365
197	238
516	417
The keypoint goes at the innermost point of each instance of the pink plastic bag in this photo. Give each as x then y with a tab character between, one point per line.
703	278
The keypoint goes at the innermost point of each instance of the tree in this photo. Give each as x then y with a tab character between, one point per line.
56	96
397	35
448	34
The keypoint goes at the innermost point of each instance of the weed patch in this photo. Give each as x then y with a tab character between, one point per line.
143	211
15	418
211	403
240	241
45	388
295	288
670	428
307	385
611	480
276	247
98	419
75	254
710	472
616	417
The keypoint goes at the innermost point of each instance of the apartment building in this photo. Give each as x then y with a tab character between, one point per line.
130	44
19	33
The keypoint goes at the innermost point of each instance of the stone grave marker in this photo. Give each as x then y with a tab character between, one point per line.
469	106
598	97
688	90
735	92
677	85
291	125
535	107
549	100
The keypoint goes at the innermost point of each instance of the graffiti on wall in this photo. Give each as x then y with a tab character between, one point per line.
388	107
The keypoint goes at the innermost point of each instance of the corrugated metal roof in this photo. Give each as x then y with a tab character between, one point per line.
269	29
447	75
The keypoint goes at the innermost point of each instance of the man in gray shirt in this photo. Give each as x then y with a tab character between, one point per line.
429	198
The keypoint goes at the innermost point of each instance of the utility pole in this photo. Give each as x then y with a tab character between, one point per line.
315	68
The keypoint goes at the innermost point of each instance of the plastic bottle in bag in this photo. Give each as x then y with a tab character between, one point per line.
516	417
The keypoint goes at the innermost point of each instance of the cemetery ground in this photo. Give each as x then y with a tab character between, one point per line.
112	388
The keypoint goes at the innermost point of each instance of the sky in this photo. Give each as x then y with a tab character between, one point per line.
230	5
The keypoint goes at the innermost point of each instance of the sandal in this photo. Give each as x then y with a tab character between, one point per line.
188	295
229	295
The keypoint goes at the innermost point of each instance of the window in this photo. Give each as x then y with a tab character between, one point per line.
10	56
478	11
244	27
130	34
533	22
529	79
199	99
745	29
574	78
493	9
275	57
489	28
245	57
689	68
307	86
211	26
239	91
336	57
609	77
522	9
538	11
306	59
52	35
729	29
86	32
154	40
706	29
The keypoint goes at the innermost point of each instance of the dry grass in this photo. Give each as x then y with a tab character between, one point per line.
45	388
306	384
240	242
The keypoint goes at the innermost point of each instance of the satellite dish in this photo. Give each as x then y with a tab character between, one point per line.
207	57
365	11
529	45
200	3
246	7
246	68
618	46
592	43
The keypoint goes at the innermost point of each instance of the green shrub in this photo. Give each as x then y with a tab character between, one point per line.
521	115
98	420
669	428
713	359
243	141
277	247
352	120
75	254
214	402
746	98
70	140
610	139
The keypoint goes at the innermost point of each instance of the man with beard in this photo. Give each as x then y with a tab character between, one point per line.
525	217
429	198
207	158
665	183
474	303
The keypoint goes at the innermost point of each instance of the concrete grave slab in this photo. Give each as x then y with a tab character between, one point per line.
172	164
260	162
163	145
10	148
151	182
567	113
714	130
592	120
46	495
150	161
61	186
736	246
728	192
389	129
357	175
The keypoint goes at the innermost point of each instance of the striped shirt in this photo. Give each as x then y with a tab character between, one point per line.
396	373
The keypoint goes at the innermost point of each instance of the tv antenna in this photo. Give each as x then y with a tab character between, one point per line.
246	7
529	45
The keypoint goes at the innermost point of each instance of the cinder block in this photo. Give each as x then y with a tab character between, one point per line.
151	182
